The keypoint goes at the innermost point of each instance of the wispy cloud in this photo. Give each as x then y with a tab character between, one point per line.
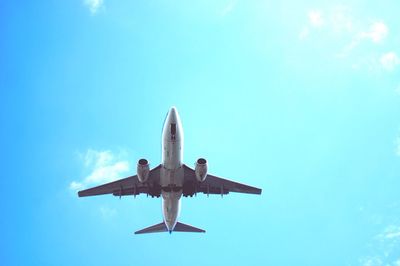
391	232
389	60
384	248
336	19
315	18
94	5
228	8
339	20
103	167
376	33
371	261
360	40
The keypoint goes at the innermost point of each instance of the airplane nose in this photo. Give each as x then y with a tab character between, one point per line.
173	114
173	110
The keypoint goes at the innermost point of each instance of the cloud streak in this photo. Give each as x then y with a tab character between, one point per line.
103	167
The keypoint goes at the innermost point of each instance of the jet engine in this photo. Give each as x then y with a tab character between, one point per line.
201	169
143	170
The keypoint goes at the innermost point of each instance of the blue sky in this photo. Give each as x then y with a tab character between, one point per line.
301	99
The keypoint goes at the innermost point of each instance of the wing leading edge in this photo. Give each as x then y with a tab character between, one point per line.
128	186
213	185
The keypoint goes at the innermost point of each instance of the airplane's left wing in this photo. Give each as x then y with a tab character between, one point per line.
213	185
128	186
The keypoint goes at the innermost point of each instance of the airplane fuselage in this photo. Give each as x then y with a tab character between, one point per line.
171	175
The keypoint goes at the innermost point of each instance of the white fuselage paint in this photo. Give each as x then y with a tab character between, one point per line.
171	176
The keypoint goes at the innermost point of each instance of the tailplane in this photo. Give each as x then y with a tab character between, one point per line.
157	228
180	227
161	227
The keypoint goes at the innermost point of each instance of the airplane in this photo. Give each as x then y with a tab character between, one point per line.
172	179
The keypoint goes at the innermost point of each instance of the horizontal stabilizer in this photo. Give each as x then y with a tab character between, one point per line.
180	227
161	227
157	228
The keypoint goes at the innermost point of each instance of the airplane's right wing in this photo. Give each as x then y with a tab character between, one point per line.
213	185
128	186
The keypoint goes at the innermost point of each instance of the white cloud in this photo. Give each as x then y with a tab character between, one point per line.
377	32
384	248
315	18
75	186
371	261
389	60
228	8
103	166
336	20
395	234
339	23
391	232
94	5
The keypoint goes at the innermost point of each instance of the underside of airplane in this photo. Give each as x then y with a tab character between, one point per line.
171	179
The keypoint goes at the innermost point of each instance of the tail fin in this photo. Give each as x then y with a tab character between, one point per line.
161	227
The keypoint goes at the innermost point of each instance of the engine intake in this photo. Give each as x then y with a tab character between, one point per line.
143	170
201	169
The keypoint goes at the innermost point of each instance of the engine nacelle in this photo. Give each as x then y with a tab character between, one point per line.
201	169
143	170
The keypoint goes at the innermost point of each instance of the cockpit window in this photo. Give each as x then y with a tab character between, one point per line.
173	129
